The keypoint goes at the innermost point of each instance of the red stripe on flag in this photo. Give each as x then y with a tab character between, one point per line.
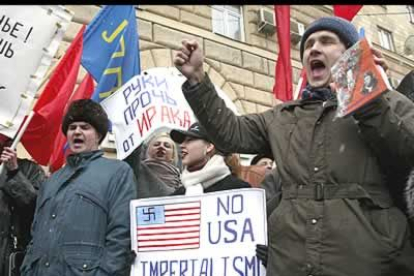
178	232
183	238
169	245
167	227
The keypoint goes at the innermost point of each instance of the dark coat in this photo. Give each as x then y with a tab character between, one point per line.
17	204
230	182
409	199
82	222
406	86
148	184
336	216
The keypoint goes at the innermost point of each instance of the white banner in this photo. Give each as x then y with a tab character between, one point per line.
148	102
29	38
214	234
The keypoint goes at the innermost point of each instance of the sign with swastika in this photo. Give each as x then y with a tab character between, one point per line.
214	234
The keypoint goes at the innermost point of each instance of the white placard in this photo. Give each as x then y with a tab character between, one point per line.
146	103
214	234
29	38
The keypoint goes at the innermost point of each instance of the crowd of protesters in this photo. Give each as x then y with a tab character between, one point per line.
330	211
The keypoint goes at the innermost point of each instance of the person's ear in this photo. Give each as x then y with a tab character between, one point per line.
210	148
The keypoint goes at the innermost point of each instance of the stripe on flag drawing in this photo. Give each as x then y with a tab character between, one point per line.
169	226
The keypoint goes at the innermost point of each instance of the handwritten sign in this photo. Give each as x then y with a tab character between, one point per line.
146	103
207	235
29	38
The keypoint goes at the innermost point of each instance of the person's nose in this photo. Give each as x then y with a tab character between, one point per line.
77	130
316	48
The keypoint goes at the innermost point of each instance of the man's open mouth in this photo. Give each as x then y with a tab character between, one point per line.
77	141
317	68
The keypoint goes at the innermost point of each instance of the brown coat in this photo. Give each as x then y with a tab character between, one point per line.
336	216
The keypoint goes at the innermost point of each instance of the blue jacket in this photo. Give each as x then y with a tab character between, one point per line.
82	223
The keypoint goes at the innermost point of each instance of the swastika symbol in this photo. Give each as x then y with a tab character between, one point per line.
150	213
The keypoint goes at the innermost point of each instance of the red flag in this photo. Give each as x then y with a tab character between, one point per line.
39	137
346	11
84	91
282	88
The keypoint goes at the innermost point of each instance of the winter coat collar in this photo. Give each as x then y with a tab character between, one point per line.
74	160
312	96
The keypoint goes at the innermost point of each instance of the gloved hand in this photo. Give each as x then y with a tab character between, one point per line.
261	253
131	257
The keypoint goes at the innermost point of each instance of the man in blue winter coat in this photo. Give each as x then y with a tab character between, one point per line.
81	224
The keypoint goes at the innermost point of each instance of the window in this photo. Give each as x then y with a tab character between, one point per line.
411	13
386	40
228	21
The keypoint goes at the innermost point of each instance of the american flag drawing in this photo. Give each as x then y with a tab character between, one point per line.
169	226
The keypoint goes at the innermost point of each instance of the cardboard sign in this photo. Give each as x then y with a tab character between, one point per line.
29	39
146	103
206	235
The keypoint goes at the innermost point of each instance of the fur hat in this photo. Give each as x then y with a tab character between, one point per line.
86	110
344	29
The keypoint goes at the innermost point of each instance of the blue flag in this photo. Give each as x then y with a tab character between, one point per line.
111	49
361	32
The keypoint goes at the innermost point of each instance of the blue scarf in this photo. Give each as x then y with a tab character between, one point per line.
323	93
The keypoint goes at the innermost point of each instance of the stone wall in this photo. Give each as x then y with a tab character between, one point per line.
244	70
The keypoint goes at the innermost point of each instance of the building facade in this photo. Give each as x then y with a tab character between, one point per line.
240	47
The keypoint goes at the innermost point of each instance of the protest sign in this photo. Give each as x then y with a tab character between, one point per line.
147	102
207	235
29	38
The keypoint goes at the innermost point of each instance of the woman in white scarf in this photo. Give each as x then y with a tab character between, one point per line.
204	167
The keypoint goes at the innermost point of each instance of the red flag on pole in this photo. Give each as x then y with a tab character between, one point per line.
40	135
84	91
282	88
347	12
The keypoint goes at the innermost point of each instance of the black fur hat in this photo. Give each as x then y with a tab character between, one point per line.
86	110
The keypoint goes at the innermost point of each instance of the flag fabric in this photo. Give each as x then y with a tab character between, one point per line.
57	159
347	12
111	50
39	137
361	32
282	88
169	227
